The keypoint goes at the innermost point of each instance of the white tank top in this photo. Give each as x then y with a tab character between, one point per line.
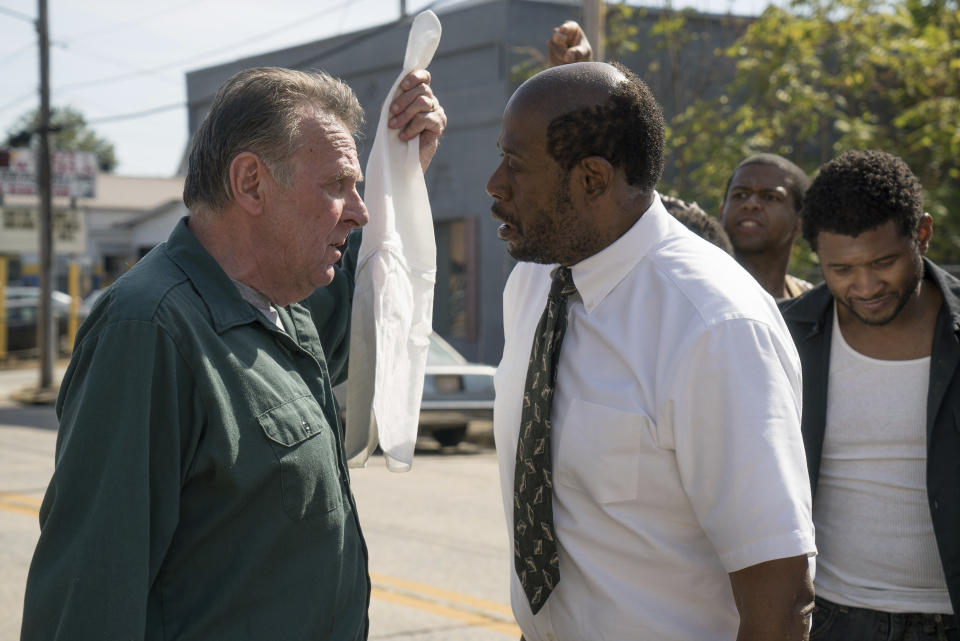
874	531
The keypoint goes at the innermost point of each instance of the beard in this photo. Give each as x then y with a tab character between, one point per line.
554	234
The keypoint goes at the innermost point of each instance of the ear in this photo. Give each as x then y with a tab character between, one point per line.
247	176
924	232
797	225
594	175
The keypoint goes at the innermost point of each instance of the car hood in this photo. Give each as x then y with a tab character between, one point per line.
472	369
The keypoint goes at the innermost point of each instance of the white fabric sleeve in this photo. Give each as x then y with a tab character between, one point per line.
735	399
392	311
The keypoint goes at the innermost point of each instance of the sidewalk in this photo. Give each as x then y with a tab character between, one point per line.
24	376
28	435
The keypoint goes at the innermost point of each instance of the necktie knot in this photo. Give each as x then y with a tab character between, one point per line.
562	285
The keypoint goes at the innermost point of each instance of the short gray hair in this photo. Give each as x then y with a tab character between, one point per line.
260	110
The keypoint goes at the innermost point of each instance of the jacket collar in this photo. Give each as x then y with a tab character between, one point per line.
223	300
949	289
812	308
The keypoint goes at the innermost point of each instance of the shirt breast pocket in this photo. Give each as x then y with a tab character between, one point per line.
306	451
599	451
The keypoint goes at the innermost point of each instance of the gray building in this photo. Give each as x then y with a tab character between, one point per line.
486	46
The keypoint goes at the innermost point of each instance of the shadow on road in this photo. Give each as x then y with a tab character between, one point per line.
427	447
42	417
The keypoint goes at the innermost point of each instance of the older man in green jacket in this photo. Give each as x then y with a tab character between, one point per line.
201	488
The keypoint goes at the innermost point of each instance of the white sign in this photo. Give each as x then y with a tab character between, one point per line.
74	173
20	231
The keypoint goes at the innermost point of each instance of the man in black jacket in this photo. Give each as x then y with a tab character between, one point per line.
881	406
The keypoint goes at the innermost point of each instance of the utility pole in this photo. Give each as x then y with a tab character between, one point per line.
403	9
46	335
594	25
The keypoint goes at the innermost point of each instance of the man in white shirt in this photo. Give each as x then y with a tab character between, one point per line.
670	460
880	346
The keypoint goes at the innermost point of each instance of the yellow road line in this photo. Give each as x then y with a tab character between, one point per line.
20	503
444	595
11	507
470	618
21	498
420	596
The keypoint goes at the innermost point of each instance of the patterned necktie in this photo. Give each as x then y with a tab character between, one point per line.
534	540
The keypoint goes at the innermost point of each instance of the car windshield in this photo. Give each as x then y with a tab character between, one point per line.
442	353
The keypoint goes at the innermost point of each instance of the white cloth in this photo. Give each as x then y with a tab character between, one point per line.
677	455
874	529
393	301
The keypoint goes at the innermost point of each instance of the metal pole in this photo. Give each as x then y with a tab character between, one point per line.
73	315
46	335
594	22
403	9
3	308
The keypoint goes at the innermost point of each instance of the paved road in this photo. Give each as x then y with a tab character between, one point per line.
438	550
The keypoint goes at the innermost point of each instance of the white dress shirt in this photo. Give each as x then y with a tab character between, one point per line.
677	455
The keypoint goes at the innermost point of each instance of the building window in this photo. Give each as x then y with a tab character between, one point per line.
454	302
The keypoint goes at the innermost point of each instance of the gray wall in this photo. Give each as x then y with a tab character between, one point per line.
481	43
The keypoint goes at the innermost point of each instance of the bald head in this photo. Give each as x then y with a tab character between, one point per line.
559	90
596	109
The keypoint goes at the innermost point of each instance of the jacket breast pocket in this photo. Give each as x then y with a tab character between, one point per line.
599	451
306	451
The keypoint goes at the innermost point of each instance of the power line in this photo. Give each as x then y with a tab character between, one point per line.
169	107
18	100
137	114
103	58
6	58
167	11
203	54
339	47
16	14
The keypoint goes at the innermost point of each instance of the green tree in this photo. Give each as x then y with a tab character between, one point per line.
824	76
69	133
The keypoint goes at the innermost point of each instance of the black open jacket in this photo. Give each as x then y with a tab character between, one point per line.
810	319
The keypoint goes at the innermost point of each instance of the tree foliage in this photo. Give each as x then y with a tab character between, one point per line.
69	133
824	76
809	81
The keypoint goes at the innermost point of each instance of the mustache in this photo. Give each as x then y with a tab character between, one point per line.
499	213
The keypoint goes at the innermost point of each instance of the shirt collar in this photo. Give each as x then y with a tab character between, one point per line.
226	306
597	275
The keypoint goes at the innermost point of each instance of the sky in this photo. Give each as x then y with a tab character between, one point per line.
122	63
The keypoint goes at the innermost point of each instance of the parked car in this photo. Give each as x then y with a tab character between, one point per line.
455	392
23	309
61	300
87	305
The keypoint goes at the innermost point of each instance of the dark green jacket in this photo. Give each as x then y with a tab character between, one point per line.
200	490
810	319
